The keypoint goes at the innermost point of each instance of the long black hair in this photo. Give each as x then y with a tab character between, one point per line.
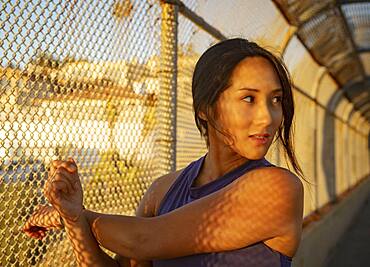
212	76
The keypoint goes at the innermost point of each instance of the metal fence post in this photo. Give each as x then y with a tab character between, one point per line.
167	107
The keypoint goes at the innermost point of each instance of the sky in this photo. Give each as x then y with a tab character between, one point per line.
82	30
88	30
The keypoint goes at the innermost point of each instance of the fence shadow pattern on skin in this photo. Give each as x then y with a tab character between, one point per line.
109	84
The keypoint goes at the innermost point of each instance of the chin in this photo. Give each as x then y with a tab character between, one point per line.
251	152
257	157
252	156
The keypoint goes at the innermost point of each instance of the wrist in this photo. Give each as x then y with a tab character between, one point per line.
55	218
69	221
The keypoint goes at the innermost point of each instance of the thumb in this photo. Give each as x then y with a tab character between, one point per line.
72	167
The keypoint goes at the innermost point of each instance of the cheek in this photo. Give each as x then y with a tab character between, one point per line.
236	120
227	114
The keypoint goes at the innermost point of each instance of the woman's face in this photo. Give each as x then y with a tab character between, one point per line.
252	105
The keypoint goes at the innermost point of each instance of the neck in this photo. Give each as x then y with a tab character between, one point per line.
218	162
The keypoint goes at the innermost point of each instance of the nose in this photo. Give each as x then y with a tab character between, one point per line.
264	115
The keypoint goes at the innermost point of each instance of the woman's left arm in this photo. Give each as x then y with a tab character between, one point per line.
64	191
262	204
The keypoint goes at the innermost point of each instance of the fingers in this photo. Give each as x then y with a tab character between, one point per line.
63	185
31	220
54	190
65	176
27	226
41	220
70	165
72	161
35	232
63	181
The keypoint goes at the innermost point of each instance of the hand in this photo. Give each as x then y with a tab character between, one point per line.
44	218
63	189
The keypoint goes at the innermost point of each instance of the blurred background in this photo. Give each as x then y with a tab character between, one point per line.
109	84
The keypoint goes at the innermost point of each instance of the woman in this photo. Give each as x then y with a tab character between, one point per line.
231	207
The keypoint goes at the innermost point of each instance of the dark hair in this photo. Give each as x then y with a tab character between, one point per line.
212	76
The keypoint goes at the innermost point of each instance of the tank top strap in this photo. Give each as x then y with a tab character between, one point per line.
178	193
182	190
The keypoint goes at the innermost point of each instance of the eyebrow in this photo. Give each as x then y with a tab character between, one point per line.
256	90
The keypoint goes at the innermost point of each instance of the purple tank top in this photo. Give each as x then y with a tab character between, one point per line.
182	192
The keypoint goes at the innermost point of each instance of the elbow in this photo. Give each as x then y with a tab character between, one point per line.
145	245
139	245
138	242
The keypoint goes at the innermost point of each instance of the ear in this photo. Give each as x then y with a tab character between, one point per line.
202	116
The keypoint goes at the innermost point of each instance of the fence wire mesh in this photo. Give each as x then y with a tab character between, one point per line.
87	79
109	84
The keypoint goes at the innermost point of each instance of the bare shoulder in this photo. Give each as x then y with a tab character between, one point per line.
148	207
285	187
280	186
276	178
161	187
152	198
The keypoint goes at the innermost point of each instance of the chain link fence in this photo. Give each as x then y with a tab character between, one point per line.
109	84
89	79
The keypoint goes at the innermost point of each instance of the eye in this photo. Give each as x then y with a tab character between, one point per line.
278	99
249	98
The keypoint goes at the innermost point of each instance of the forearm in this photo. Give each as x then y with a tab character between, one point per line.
85	246
124	235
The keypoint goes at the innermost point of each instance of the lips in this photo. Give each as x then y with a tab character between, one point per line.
266	135
260	139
